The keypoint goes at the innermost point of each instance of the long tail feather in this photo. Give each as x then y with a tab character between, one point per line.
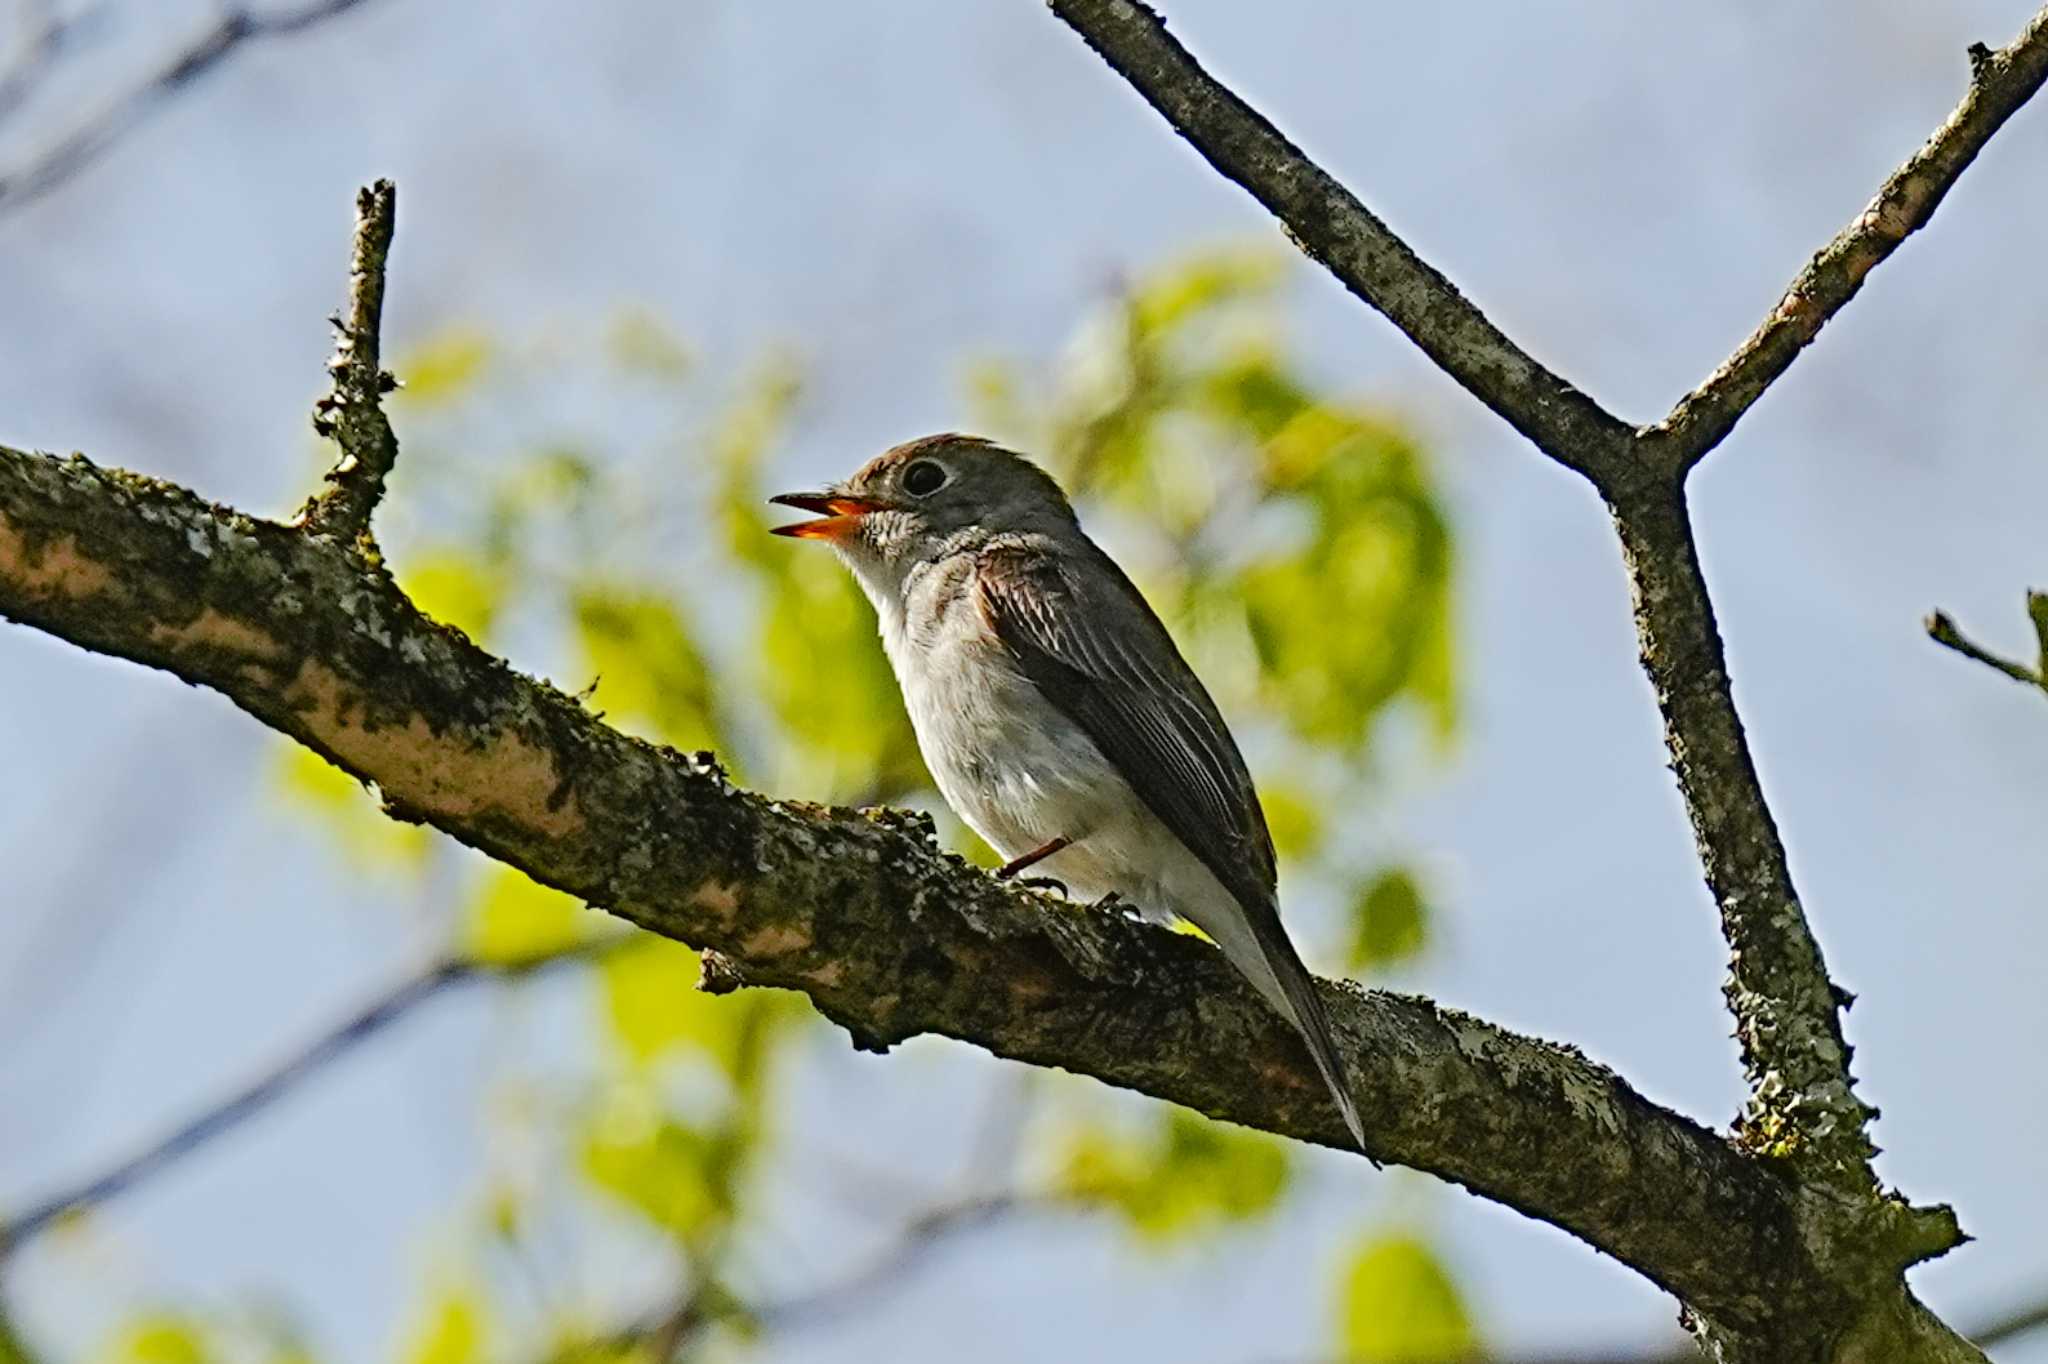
1289	987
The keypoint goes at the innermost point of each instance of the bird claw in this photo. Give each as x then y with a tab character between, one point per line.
1044	883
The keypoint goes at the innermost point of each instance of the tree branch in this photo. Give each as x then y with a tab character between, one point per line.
887	936
1803	1103
182	70
1329	223
2000	82
1944	631
273	1084
352	411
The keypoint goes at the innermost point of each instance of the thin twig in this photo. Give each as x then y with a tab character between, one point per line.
352	411
2020	1321
277	1081
1942	629
2000	82
180	72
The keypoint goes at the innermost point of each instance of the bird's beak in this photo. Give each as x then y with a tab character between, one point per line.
839	514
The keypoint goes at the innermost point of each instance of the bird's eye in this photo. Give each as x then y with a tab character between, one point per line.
924	478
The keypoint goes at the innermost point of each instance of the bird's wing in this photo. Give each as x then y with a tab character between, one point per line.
1090	643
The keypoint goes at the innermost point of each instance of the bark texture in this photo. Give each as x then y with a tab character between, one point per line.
858	909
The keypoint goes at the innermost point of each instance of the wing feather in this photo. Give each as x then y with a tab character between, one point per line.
1092	645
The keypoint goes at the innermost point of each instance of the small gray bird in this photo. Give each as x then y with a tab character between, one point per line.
1053	709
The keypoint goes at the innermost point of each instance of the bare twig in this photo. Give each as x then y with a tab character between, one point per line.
352	411
277	1081
2020	1321
663	1334
2000	82
182	70
48	33
1942	629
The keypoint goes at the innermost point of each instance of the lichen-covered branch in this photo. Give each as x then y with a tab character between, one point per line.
1329	223
352	411
1787	1020
859	911
2000	83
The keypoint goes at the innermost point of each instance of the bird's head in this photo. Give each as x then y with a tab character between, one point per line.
927	498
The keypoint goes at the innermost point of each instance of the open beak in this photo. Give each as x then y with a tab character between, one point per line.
838	514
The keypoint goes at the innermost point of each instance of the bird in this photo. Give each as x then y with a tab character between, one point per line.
1054	711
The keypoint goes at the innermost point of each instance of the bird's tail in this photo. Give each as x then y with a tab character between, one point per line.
1287	985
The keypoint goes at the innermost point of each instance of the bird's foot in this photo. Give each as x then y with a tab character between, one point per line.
1109	901
1052	883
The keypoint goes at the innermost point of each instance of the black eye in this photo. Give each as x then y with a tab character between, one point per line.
924	478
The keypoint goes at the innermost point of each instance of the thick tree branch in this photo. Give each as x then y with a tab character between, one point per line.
1329	223
273	1084
2000	82
887	936
1786	1012
352	411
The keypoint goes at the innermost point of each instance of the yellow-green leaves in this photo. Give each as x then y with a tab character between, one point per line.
1389	921
1398	1305
161	1338
645	661
455	587
1187	1176
451	1331
443	369
514	919
677	1177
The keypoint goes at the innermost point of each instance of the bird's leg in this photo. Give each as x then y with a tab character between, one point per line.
1008	871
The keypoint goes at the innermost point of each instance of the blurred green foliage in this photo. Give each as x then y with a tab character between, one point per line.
1294	541
1399	1305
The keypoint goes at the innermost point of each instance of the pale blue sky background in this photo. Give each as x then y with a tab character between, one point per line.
887	186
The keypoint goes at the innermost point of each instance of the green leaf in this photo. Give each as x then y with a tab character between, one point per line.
2037	612
1398	1305
679	1178
442	370
823	673
1190	1176
654	1010
453	586
162	1338
649	668
452	1330
1389	922
651	998
1293	817
516	919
